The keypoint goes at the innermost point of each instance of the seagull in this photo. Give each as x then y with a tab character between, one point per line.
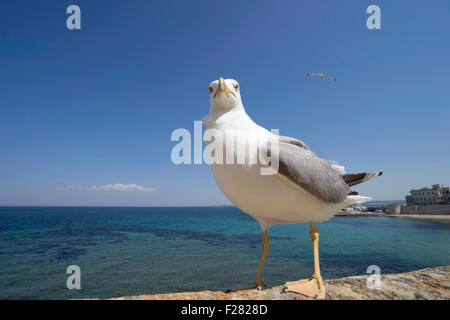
321	75
304	189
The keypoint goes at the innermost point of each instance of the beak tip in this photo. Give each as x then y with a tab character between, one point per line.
221	84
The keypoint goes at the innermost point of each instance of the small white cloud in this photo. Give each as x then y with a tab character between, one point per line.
69	187
121	187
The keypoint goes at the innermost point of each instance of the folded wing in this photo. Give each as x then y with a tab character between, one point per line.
313	174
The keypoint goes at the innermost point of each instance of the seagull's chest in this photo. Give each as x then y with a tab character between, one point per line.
242	183
234	159
240	178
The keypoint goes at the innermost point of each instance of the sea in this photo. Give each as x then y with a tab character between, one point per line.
131	251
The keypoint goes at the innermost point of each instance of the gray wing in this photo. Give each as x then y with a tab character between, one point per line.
313	174
294	141
340	169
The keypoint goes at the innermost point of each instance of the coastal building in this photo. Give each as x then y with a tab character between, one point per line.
394	208
425	201
437	195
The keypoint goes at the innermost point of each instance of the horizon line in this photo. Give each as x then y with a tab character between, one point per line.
136	206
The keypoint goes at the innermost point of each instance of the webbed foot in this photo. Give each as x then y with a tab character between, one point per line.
313	287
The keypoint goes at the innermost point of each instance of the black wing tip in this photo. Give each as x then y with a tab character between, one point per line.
381	173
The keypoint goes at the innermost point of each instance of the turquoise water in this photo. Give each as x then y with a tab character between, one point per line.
130	251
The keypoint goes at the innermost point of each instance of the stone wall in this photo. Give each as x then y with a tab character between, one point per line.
424	284
393	208
432	209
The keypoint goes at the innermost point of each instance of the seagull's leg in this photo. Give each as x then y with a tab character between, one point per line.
310	287
265	249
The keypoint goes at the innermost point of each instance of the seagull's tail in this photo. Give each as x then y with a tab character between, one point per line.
356	199
352	179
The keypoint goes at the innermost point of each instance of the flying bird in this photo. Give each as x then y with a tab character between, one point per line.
321	75
304	189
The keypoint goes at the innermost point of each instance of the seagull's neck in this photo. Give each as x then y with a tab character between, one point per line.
236	118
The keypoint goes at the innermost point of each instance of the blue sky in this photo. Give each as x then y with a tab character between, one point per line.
97	106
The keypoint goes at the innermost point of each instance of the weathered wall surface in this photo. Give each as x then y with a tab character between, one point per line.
394	208
432	209
425	284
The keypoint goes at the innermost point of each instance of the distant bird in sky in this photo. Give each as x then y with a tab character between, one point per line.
305	189
321	75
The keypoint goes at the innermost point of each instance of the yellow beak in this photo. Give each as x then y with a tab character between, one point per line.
223	88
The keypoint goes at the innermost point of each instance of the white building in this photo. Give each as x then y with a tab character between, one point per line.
438	194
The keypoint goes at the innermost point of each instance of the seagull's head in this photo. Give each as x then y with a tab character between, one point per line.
224	95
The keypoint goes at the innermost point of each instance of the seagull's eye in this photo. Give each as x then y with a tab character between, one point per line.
236	87
211	89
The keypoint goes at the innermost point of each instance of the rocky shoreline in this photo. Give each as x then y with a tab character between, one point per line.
424	284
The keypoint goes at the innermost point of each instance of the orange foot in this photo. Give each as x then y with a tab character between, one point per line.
308	287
